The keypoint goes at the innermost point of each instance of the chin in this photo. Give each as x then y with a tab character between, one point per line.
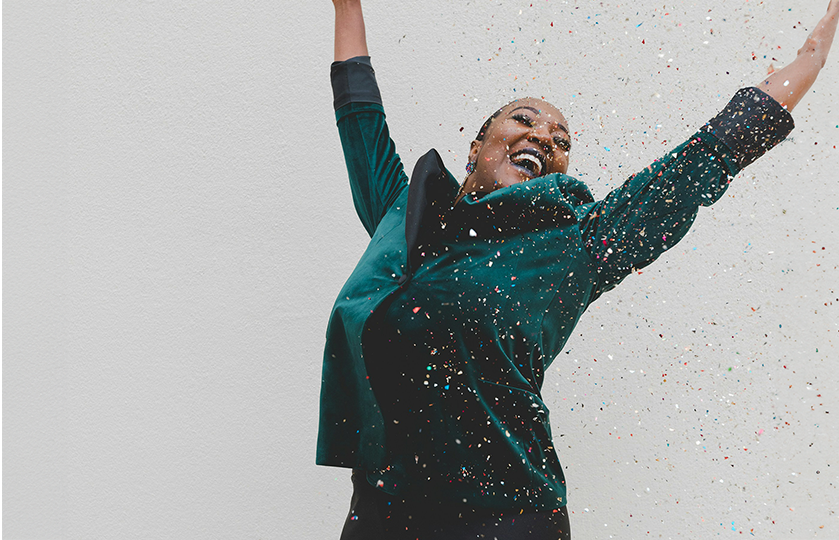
517	179
507	182
511	179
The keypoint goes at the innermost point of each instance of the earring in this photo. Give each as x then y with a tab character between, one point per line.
470	167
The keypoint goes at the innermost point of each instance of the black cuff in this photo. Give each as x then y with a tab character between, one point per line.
354	80
750	125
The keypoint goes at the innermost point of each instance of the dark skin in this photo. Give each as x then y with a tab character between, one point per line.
530	137
531	125
545	131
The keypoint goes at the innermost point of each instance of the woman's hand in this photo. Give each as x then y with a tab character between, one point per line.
789	85
350	39
819	41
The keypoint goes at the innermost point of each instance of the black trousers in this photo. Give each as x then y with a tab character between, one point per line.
375	515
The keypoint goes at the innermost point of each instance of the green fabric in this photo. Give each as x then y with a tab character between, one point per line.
458	354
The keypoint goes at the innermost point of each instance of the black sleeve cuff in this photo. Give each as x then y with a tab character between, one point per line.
750	125
354	80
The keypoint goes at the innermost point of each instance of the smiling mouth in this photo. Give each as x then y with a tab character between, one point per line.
529	161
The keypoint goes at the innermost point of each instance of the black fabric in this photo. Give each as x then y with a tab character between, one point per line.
354	80
421	192
750	125
375	515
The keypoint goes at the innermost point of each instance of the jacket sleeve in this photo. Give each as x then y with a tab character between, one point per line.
376	174
654	209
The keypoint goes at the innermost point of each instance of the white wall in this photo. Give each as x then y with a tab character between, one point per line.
177	223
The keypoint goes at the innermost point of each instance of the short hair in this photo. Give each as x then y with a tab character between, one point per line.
483	131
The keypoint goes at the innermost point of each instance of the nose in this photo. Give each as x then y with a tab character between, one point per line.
542	136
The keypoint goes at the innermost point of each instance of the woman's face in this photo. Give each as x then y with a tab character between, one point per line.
527	140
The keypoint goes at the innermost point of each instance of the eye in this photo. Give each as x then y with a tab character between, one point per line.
524	119
562	144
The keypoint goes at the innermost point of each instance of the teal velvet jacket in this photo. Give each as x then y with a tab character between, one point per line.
438	343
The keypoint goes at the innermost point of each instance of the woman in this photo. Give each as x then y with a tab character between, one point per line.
439	341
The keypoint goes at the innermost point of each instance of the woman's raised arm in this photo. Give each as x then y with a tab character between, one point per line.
788	85
377	177
655	208
350	39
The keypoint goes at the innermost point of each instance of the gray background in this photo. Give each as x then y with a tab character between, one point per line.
177	223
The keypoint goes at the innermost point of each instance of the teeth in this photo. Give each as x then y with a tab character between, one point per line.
519	159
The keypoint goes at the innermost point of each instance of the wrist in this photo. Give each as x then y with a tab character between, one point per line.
812	52
346	4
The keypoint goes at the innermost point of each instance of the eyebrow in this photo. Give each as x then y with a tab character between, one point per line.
537	111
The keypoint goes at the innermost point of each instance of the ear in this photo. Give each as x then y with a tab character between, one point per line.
474	150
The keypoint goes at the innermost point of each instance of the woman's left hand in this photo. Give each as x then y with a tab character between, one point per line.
819	41
789	85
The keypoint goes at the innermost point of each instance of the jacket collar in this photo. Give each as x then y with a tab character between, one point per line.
542	203
431	185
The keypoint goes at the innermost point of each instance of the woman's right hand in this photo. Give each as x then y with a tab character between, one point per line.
350	39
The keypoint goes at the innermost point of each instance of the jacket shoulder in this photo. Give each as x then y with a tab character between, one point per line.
576	192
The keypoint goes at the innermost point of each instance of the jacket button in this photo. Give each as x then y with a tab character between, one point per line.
404	279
